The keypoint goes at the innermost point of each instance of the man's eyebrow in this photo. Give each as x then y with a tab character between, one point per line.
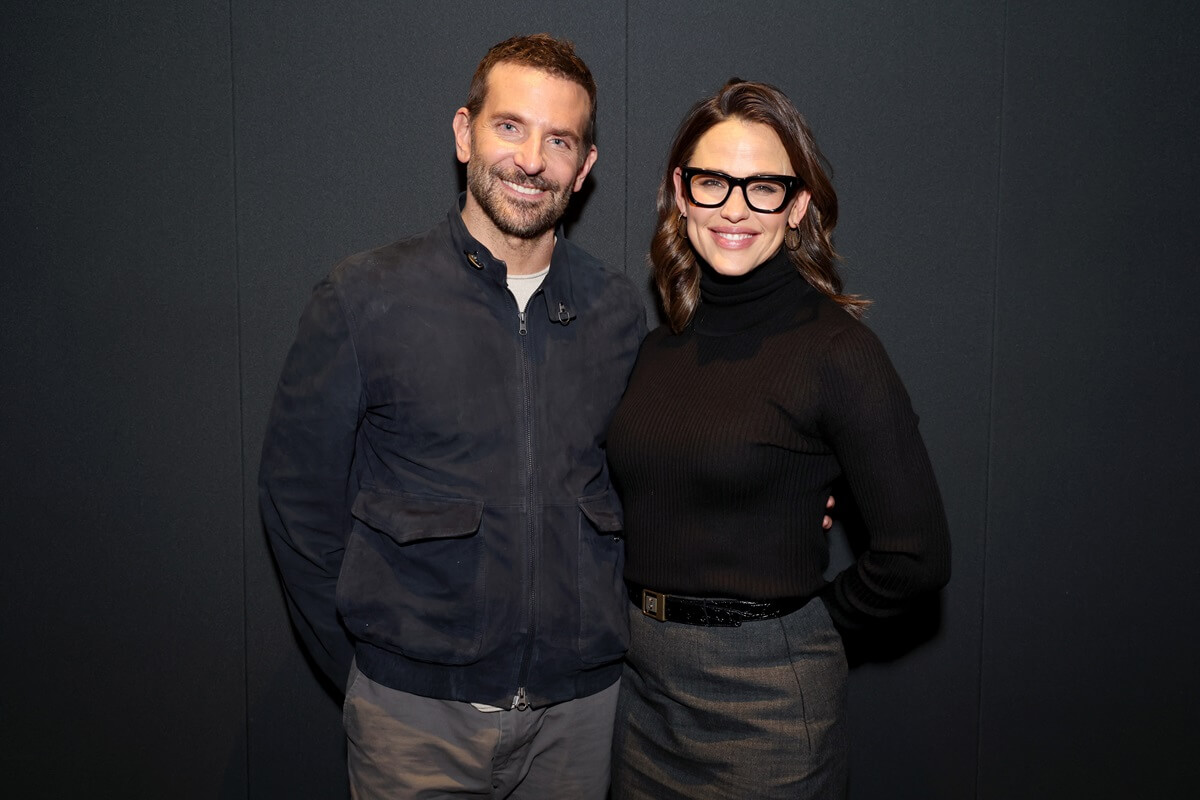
562	133
507	115
566	133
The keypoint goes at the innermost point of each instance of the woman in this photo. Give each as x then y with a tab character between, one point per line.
762	389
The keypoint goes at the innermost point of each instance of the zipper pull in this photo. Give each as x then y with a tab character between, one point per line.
520	702
522	330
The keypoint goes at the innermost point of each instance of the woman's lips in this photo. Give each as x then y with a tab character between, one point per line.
733	240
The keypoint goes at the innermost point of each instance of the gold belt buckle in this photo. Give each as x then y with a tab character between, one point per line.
654	604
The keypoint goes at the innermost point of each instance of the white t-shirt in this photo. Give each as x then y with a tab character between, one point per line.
523	286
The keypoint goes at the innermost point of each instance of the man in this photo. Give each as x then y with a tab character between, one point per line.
433	479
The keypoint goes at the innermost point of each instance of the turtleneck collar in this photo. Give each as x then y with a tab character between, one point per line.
734	303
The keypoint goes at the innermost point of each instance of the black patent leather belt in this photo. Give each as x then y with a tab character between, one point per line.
715	611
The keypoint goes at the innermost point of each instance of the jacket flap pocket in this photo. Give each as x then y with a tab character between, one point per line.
410	517
604	511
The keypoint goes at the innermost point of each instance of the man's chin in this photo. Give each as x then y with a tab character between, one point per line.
521	232
522	218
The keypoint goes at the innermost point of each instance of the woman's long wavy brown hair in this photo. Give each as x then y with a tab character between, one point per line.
671	256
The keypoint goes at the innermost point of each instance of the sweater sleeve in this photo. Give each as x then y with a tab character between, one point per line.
306	480
868	419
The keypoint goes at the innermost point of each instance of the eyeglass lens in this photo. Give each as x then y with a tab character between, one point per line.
762	194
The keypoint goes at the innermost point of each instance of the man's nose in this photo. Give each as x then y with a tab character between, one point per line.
529	157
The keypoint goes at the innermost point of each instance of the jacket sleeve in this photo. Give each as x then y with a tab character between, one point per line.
306	476
868	418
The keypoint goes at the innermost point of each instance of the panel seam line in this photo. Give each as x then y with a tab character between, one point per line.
241	373
991	402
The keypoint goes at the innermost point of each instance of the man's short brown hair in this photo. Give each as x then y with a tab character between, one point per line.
543	52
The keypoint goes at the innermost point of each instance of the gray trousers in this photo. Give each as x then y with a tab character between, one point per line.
752	712
402	746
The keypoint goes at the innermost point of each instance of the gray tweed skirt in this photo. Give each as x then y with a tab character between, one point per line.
756	711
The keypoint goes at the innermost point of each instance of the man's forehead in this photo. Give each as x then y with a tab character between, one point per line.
513	88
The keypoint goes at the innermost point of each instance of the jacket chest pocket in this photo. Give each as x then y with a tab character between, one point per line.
413	579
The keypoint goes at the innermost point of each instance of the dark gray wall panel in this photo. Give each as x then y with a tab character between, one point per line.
121	582
344	143
134	393
903	105
1091	654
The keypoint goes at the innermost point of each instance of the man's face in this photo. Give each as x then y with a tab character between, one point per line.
524	150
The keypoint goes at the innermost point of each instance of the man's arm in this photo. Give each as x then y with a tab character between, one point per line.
306	477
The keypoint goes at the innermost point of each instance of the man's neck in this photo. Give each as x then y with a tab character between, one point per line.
522	256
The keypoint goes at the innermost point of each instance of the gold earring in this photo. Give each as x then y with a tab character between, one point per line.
681	227
791	238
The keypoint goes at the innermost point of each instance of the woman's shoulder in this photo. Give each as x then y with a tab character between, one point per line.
824	318
851	353
663	336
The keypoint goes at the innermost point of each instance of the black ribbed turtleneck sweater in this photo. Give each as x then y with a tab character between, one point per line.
731	433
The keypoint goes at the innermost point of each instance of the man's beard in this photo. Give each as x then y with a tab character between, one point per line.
526	219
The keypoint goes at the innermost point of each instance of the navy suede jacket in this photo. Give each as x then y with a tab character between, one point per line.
433	479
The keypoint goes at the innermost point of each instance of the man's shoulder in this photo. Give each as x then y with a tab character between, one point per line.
592	276
393	260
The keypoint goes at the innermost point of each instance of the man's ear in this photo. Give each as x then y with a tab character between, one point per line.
589	161
462	134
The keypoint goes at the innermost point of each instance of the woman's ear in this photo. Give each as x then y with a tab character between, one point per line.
680	200
799	208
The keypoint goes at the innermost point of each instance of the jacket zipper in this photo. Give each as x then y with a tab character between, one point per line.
520	701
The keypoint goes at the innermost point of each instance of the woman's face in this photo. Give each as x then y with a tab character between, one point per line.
733	238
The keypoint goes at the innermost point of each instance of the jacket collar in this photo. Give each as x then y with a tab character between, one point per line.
556	288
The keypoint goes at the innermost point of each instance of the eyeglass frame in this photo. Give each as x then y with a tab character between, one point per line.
791	185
